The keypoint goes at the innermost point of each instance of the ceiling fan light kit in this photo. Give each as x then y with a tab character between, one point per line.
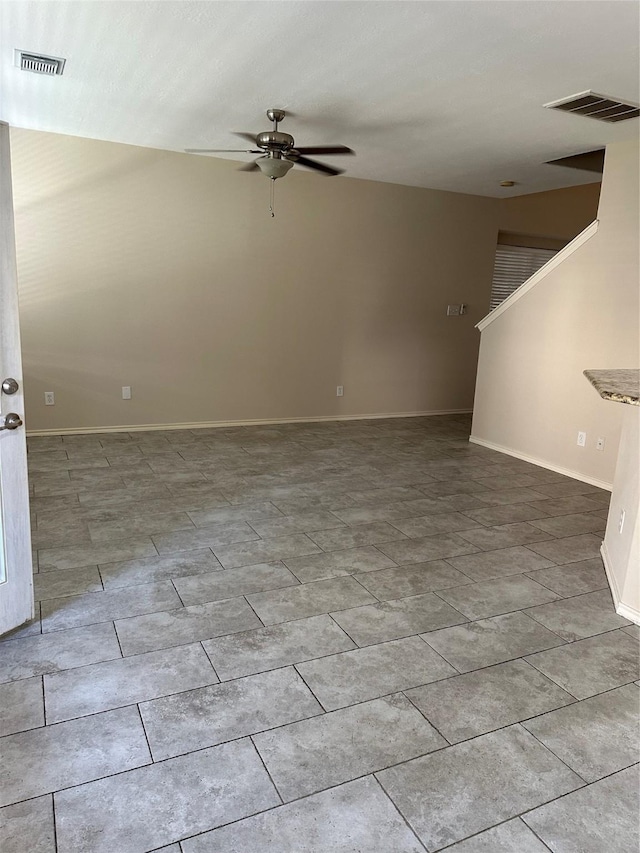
274	167
279	153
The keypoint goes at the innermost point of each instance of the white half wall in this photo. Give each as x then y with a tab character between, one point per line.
531	397
621	547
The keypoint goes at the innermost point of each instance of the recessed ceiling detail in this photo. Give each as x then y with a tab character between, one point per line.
39	64
593	105
589	161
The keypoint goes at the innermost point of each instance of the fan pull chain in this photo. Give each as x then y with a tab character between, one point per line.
272	197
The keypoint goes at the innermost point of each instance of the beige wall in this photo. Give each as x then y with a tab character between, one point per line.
558	213
164	271
531	396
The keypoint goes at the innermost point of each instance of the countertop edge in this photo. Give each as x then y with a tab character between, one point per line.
618	386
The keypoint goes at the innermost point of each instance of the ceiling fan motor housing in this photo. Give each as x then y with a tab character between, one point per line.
277	151
274	139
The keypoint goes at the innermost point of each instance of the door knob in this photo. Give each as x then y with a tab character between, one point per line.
9	386
12	421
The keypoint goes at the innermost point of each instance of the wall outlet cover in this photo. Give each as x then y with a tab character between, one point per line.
49	398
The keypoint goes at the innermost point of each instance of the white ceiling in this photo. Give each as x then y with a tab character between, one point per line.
433	94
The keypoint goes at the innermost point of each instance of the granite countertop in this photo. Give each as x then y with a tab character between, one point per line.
621	386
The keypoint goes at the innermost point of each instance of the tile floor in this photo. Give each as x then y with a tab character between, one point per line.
364	637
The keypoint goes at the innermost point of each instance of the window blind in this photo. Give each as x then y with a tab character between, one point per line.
513	266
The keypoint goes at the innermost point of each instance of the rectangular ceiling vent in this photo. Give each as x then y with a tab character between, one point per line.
50	65
593	105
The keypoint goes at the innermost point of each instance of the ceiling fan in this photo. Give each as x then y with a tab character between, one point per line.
279	152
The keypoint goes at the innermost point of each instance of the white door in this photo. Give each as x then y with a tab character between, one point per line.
16	577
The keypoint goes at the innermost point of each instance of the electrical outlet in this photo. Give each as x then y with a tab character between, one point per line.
49	398
340	391
623	515
126	392
582	439
600	444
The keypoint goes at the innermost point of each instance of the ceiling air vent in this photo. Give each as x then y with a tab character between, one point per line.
592	105
50	65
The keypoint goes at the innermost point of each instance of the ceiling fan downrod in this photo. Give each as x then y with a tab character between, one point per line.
276	116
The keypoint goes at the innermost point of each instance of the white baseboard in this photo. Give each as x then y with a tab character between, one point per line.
615	592
542	463
255	422
630	613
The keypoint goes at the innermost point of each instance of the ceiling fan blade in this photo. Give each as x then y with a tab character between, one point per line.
248	167
250	137
324	149
319	167
221	151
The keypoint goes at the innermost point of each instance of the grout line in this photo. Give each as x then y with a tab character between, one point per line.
359	582
122	657
524	609
397	808
568	642
171	581
440	655
565	688
55	826
546	846
246	599
101	578
146	736
467	620
420	711
548	748
266	769
308	686
215	671
330	787
523	815
447	560
275	625
494	826
44	701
